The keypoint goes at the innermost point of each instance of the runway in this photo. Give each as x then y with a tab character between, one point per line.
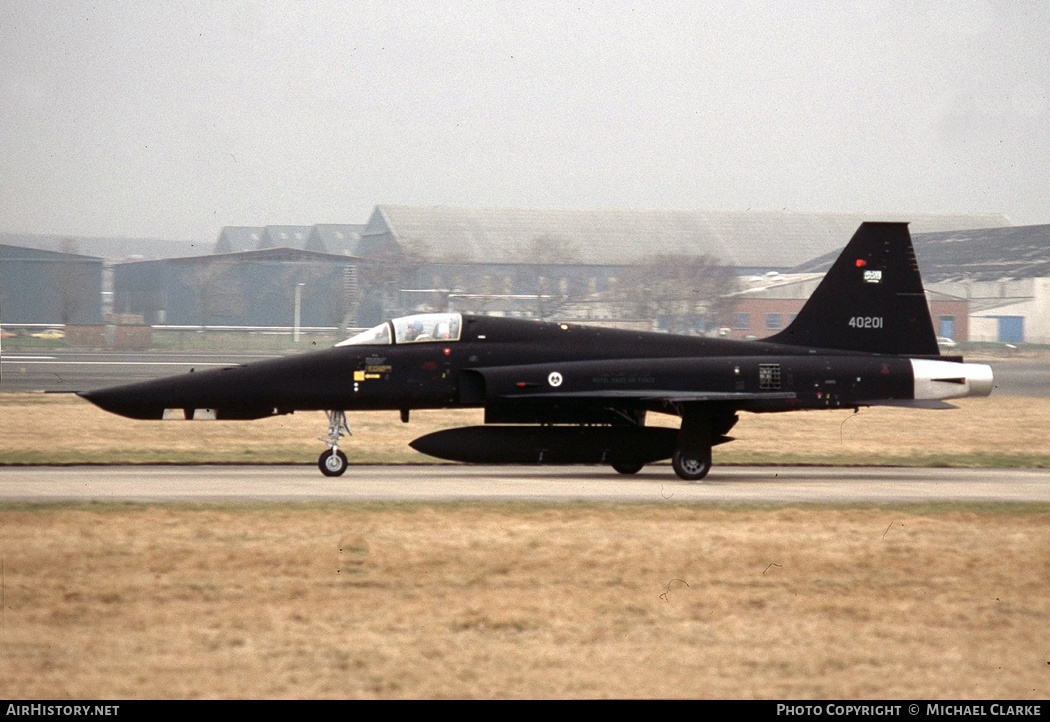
65	370
444	483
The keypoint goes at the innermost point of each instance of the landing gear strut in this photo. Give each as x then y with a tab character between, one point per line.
333	462
700	427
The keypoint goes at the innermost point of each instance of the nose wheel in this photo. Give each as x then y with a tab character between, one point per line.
332	463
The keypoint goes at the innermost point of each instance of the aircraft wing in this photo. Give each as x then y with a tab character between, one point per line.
654	395
644	381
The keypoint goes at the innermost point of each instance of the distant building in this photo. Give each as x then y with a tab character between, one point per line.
38	286
333	238
575	264
111	250
571	264
1010	311
1002	273
608	266
772	302
341	239
238	239
753	242
250	288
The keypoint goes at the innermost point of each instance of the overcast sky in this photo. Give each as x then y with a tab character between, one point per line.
173	119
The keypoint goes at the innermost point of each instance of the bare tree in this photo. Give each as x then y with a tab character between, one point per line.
547	255
683	292
382	278
548	249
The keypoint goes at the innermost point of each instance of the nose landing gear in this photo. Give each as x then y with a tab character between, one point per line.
333	462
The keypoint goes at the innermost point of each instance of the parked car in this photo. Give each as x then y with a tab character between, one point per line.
946	344
52	333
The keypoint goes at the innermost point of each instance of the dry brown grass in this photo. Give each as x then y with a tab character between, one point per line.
519	601
433	600
1004	430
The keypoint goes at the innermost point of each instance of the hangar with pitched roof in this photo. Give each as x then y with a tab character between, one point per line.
988	285
249	288
751	241
1004	275
49	287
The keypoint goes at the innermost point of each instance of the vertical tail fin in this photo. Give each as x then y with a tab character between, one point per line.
871	300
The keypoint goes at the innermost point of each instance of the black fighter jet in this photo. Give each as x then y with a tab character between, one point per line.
561	393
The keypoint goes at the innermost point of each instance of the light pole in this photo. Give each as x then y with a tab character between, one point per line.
298	310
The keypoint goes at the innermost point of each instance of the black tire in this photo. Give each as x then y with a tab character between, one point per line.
332	463
691	465
627	467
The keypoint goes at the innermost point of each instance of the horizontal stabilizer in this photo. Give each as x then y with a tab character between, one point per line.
932	404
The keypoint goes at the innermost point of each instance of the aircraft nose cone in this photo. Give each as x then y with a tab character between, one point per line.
133	401
102	399
120	402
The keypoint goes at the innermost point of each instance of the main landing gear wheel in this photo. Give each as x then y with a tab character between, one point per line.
691	465
627	467
701	426
332	463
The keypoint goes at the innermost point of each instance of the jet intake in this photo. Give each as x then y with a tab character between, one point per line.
950	380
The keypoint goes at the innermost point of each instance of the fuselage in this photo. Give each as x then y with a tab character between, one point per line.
505	363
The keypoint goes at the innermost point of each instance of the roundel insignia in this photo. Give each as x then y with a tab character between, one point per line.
554	379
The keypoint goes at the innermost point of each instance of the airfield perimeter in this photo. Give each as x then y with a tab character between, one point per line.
862	598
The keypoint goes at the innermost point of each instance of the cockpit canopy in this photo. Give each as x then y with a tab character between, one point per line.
421	328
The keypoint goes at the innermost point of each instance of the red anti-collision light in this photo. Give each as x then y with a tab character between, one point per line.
861	263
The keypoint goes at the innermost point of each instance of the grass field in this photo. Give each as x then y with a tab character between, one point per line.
64	429
432	600
524	601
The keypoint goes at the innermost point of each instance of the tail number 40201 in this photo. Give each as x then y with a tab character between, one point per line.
866	322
